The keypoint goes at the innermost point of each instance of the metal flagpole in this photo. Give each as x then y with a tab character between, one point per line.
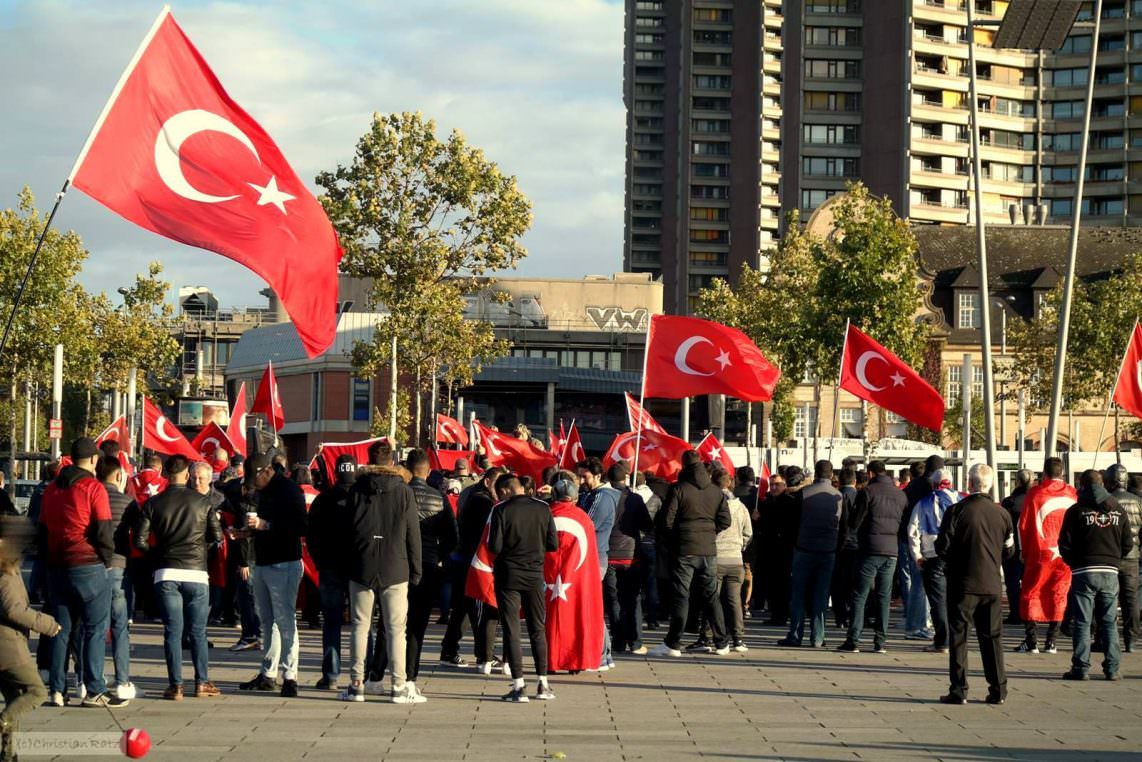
641	403
837	392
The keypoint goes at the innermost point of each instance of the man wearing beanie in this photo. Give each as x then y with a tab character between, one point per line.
76	541
325	537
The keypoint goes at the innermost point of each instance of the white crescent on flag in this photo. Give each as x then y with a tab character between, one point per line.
575	529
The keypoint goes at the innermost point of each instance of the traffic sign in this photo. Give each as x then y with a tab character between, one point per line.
55	428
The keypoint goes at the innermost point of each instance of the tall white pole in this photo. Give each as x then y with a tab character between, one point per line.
57	393
1022	429
131	396
965	401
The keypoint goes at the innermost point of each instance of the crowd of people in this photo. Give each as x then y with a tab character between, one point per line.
385	543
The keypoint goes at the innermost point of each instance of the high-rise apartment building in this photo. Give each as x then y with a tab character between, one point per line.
702	85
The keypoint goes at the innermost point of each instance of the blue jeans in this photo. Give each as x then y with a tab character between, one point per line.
703	571
184	603
120	613
874	570
275	590
1094	597
334	597
82	601
812	577
911	590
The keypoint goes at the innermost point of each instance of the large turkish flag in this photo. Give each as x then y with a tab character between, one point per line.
160	436
872	373
512	453
1128	390
574	593
1046	578
174	154
660	454
688	356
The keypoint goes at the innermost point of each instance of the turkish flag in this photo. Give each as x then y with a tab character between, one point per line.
480	584
1046	578
211	439
574	593
872	373
688	356
268	400
236	431
1128	389
572	453
637	413
116	432
554	444
445	460
711	450
450	431
148	483
327	455
514	454
658	453
161	436
174	154
763	481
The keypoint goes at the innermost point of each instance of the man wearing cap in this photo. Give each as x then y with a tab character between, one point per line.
275	515
76	541
326	537
462	472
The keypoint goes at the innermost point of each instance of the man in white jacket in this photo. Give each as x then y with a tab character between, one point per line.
923	528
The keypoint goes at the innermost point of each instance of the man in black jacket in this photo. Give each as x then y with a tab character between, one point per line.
275	515
847	567
694	512
1095	538
384	540
184	525
328	528
622	582
110	471
522	530
1117	478
975	536
1013	566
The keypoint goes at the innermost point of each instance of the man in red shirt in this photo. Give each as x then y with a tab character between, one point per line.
76	543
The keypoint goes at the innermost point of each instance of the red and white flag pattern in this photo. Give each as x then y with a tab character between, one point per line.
660	454
513	453
268	400
574	593
1046	578
572	452
872	373
116	432
710	450
209	441
160	436
450	431
637	413
686	357
236	431
1128	389
480	584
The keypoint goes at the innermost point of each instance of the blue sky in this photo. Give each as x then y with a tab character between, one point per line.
536	83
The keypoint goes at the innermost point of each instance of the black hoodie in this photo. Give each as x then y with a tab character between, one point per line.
1096	533
695	511
385	532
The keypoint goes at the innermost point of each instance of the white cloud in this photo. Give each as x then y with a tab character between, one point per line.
536	84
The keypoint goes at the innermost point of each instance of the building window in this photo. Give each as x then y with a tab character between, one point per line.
706	37
1075	45
648	55
715	15
648	39
824	101
707	148
707	258
832	36
651	21
851	422
710	125
702	103
1068	77
836	134
361	406
711	170
811	199
648	5
703	58
800	429
968	311
712	81
827	68
830	167
710	191
708	214
710	236
955	384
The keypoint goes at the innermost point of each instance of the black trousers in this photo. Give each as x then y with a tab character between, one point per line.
1031	634
1128	599
535	614
986	614
461	608
421	598
845	574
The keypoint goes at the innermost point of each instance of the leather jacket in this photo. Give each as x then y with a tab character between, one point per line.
1131	505
185	524
438	531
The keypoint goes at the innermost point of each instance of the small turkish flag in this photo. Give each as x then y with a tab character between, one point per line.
711	450
574	593
763	481
872	373
688	356
236	431
637	413
450	431
572	453
554	444
1128	389
116	432
161	436
174	154
513	453
480	583
268	400
211	439
659	453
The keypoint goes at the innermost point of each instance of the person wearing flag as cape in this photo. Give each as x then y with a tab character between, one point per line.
1046	579
574	593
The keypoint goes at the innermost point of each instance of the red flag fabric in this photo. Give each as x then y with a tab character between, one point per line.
1046	579
1128	390
160	436
211	439
872	373
508	451
572	452
328	453
148	483
116	432
763	481
688	356
636	412
174	154
236	431
554	446
445	460
659	454
450	431
308	567
268	400
710	450
574	593
480	585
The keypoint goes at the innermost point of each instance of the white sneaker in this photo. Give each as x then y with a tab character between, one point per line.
354	693
740	648
81	691
603	667
722	651
664	650
484	667
55	699
544	693
375	686
125	691
408	694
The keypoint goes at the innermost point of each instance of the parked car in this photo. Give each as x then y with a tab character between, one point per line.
23	496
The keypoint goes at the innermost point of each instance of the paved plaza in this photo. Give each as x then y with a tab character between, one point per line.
771	703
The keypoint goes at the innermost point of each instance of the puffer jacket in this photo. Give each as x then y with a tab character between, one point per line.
695	511
385	530
185	525
877	517
438	532
1132	507
924	523
75	521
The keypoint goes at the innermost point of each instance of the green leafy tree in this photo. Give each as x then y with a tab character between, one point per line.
429	221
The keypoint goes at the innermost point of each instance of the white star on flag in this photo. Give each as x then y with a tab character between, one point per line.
897	379
723	359
559	588
271	194
715	453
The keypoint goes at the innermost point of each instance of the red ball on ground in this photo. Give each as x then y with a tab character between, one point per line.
135	743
